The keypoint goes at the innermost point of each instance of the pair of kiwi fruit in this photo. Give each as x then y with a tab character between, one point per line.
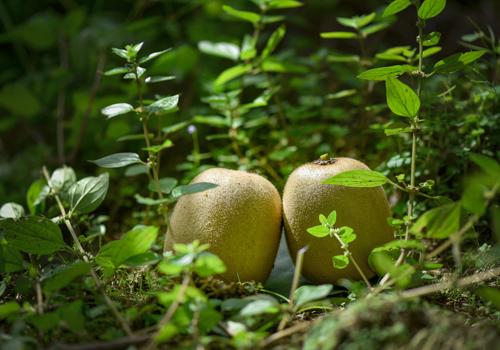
241	220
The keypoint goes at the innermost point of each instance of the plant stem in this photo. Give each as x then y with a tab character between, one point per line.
85	258
299	261
345	248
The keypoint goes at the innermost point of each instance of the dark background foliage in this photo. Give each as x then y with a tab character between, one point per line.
53	54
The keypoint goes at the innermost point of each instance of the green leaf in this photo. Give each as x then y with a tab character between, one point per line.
158	79
136	169
332	218
340	261
319	231
440	222
212	120
431	8
488	165
117	70
401	244
374	28
153	55
116	109
487	293
117	160
284	4
208	264
175	127
248	50
11	210
339	35
158	148
382	262
396	128
151	201
306	294
166	185
383	73
347	235
36	195
322	219
272	64
401	99
192	188
243	15
65	276
62	179
8	309
232	73
273	41
457	61
357	178
226	50
431	39
357	22
164	105
115	253
260	307
395	7
431	51
11	259
475	189
88	193
33	235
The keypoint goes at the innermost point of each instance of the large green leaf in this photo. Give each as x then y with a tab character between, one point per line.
33	235
401	98
65	276
137	241
431	8
88	193
440	222
358	178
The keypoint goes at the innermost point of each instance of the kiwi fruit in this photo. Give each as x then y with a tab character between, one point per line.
364	209
240	219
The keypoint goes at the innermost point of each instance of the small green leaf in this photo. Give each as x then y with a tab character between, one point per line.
322	219
319	231
158	79
117	70
440	222
431	8
273	41
137	241
116	109
347	235
35	197
431	39
33	235
8	309
395	7
158	148
284	4
396	128
383	73
62	179
212	120
488	165
401	99
357	178
332	218
166	185
457	61
11	210
431	51
243	15
248	50
192	188
401	244
208	264
339	35
117	160
357	22
153	55
164	105
87	194
340	261
232	73
65	276
151	201
260	307
306	294
226	50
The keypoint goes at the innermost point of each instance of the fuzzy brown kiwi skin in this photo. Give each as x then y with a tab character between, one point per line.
240	219
364	209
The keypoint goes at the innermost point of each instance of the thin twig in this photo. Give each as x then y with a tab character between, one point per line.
462	282
286	332
84	255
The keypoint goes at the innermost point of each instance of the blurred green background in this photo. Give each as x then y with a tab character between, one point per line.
53	53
